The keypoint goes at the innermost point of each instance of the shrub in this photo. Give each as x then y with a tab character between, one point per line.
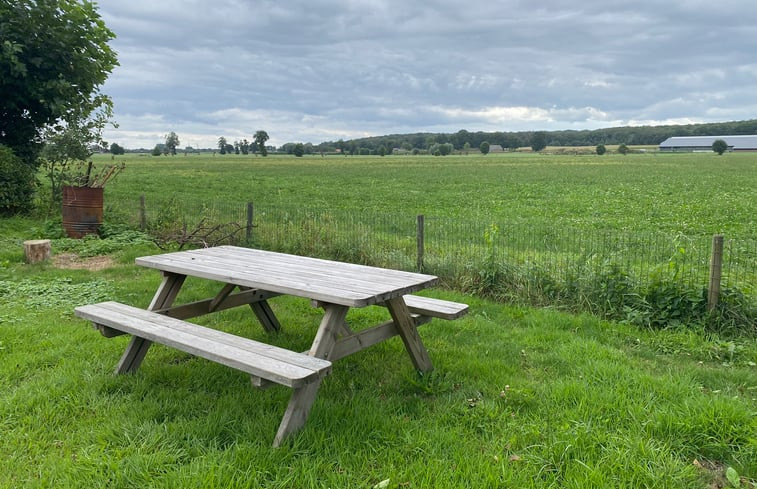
16	183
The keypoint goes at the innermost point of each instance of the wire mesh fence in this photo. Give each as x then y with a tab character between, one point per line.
538	263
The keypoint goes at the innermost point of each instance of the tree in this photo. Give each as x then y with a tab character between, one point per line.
601	149
172	142
16	183
260	138
116	149
54	57
222	145
539	141
484	147
299	149
157	150
719	146
623	149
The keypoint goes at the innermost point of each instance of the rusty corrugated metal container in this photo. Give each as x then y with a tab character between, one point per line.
82	210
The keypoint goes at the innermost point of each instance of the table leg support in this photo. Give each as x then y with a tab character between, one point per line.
163	298
405	325
297	411
303	397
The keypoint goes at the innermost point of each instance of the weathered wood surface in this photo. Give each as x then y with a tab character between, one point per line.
36	250
323	280
406	329
438	308
259	359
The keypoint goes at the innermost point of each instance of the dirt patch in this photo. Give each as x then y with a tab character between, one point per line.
72	261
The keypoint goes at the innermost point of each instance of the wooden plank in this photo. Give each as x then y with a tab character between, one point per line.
329	281
125	311
165	296
272	363
199	308
302	398
409	334
368	337
437	308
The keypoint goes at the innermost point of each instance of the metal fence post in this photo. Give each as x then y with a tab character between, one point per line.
716	270
419	242
250	210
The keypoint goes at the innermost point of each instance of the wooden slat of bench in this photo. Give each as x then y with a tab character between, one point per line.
276	364
438	308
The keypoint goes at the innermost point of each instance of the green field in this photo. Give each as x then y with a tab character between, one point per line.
520	397
692	194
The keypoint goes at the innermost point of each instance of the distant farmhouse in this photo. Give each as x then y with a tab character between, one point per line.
704	143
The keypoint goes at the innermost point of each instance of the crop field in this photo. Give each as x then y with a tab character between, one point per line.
691	194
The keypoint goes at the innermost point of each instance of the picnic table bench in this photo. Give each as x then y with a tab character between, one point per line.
252	277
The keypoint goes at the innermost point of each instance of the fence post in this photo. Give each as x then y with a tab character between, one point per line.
419	242
250	210
716	269
142	213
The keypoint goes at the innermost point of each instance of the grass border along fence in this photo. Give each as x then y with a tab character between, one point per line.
648	279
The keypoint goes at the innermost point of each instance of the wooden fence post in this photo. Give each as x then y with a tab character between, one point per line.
419	242
250	211
716	269
142	213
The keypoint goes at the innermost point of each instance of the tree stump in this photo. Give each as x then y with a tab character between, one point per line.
36	250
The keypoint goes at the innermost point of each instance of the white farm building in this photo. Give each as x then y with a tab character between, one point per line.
704	143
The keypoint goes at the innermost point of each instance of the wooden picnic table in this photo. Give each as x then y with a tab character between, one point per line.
252	277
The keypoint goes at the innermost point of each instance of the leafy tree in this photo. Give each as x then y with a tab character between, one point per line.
539	141
299	149
157	150
466	147
484	147
601	149
245	146
54	57
222	145
172	142
16	183
260	138
116	149
623	149
719	146
381	150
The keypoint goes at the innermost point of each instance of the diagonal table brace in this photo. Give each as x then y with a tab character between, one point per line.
303	397
164	297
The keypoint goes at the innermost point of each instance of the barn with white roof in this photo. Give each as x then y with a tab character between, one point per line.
704	143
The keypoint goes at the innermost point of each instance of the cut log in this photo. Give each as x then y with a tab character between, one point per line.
36	250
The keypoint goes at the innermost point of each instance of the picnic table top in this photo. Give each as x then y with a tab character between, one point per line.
323	280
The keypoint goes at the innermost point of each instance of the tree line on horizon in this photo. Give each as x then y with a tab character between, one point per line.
627	135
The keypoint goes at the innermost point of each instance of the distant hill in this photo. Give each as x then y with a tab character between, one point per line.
630	135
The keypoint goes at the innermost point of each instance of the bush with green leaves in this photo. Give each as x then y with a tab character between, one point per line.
16	183
719	146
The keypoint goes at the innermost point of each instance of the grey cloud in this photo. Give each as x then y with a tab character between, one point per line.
378	66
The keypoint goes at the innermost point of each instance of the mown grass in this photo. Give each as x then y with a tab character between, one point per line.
520	397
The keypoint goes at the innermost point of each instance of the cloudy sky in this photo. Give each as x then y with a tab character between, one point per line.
320	70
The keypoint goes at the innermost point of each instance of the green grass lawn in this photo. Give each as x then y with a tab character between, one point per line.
520	397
